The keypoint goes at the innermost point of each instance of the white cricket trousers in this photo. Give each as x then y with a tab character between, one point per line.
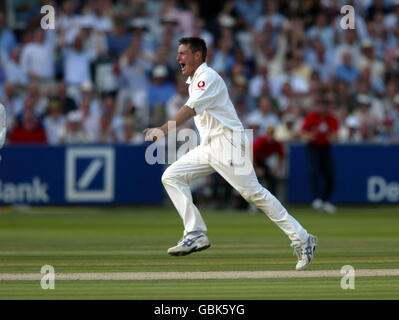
223	155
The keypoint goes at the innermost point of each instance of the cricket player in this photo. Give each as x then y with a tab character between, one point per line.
3	125
218	125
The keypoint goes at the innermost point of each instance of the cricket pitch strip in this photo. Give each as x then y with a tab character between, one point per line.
198	275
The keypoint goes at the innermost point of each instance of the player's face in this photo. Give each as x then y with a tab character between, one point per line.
186	60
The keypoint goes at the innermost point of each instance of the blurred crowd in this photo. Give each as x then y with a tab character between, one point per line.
108	70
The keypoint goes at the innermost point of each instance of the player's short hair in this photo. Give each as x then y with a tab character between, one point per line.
196	44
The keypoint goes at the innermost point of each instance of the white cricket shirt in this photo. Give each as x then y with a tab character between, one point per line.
210	100
3	125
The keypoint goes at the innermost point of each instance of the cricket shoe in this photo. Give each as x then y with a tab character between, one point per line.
190	244
317	204
329	208
305	252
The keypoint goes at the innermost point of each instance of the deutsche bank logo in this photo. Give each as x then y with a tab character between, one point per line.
89	174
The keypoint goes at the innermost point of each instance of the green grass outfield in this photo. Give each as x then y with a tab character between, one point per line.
120	240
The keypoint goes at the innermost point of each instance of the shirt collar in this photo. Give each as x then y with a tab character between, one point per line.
199	70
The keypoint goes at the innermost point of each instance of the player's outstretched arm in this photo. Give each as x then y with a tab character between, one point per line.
183	115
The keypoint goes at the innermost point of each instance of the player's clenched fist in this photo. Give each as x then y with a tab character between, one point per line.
153	134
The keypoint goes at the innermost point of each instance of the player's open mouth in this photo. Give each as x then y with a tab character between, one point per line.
183	66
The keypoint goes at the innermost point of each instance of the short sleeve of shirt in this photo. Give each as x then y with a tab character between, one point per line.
204	92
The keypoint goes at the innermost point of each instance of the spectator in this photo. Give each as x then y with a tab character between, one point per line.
319	59
259	83
349	133
296	33
286	131
7	37
272	15
391	42
387	134
181	14
379	37
268	159
242	113
14	72
53	122
134	71
294	85
160	92
67	22
29	132
138	105
392	19
77	63
301	68
246	64
319	129
139	9
37	56
118	40
36	98
350	44
377	7
200	31
223	59
388	98
346	71
90	115
168	34
264	116
73	131
250	10
343	96
322	30
88	97
298	52
227	23
130	135
376	67
146	41
94	40
362	113
271	54
67	104
240	91
97	11
111	122
286	97
107	133
395	115
177	101
377	112
164	57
